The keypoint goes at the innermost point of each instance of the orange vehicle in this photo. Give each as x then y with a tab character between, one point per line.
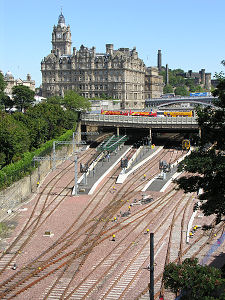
115	112
178	113
144	113
129	113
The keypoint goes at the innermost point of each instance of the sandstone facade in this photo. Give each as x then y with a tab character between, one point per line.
119	74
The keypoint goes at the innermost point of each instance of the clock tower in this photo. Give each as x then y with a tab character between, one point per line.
61	37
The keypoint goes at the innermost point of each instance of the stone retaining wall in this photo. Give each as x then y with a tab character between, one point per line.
26	187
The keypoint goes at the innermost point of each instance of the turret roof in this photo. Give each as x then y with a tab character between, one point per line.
61	20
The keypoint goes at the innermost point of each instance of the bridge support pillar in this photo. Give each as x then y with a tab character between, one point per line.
150	135
78	136
200	132
117	131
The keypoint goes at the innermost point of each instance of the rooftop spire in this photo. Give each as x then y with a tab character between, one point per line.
61	20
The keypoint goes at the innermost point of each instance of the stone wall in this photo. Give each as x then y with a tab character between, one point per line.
26	188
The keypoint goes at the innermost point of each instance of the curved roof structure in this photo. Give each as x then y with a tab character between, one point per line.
61	20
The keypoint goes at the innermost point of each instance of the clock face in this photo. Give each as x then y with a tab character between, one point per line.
58	35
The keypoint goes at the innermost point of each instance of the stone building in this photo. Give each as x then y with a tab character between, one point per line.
11	82
119	74
200	78
153	83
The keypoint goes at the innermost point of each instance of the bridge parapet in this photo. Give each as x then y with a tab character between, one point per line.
160	102
139	121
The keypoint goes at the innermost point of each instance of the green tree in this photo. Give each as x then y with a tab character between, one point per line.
54	100
167	89
176	80
7	102
221	74
177	71
192	88
194	281
198	88
2	88
14	139
75	102
190	82
45	122
206	165
3	84
35	122
181	90
23	96
70	120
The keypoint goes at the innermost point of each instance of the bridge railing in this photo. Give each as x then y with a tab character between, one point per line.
184	98
139	119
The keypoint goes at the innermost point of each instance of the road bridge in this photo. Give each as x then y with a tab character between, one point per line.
156	123
191	101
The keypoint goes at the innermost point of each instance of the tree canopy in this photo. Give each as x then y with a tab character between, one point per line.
206	165
23	96
33	125
2	88
54	100
21	132
7	102
46	121
75	102
194	281
3	84
14	139
179	83
181	90
168	89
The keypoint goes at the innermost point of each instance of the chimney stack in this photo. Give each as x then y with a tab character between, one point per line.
159	60
167	74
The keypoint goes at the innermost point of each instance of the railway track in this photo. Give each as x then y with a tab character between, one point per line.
35	219
112	209
38	215
204	244
144	251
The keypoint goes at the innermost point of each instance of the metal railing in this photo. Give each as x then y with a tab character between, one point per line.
117	119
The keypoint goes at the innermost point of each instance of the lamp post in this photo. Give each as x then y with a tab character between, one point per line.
75	189
151	286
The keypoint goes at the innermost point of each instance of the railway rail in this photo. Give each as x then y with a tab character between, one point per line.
94	221
39	267
34	221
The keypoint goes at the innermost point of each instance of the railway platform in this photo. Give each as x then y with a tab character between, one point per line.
158	183
102	167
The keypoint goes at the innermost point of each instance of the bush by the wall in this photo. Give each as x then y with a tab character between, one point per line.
13	172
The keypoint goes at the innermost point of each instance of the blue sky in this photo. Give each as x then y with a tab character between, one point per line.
190	33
